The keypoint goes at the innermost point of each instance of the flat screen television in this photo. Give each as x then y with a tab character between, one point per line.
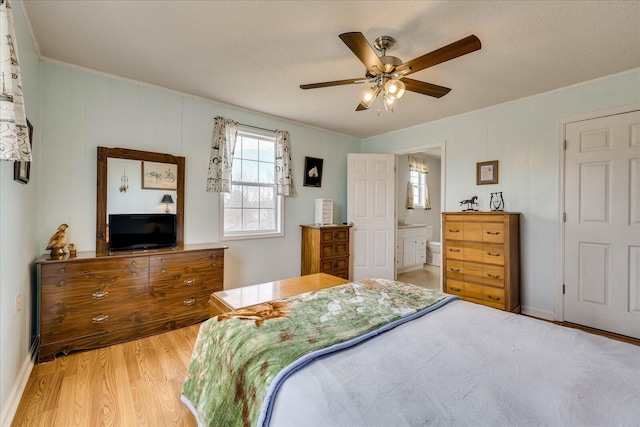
141	231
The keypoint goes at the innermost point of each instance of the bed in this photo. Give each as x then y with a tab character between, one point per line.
449	363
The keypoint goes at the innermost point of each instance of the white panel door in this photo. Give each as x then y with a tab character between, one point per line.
370	207
602	230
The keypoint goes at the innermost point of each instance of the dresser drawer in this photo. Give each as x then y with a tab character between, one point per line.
59	321
455	287
188	273
213	258
59	287
494	297
454	230
79	292
493	275
493	232
326	266
166	288
336	235
454	250
138	265
334	250
455	270
187	303
493	253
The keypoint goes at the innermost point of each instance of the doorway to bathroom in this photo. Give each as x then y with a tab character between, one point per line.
420	196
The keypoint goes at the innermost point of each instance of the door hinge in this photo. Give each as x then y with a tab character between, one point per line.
564	217
563	289
565	144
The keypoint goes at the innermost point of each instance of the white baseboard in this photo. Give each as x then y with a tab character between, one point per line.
9	409
540	314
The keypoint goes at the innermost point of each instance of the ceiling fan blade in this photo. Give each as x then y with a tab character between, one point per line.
361	107
425	88
363	50
334	83
451	51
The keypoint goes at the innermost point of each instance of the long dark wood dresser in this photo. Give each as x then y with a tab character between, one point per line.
92	301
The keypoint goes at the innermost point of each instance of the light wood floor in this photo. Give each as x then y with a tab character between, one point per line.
137	383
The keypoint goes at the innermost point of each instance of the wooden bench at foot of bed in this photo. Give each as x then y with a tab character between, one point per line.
234	299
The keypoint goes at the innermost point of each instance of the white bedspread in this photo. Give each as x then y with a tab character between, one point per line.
467	364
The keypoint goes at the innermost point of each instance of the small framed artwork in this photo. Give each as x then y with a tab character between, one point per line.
22	170
312	172
487	172
159	176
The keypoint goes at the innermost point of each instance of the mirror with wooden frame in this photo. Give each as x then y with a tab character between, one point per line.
104	153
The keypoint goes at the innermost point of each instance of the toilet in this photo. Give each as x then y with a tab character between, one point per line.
433	248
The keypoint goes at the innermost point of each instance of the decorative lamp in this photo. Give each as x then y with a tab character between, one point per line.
167	200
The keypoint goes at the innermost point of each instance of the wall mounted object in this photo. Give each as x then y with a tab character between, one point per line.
312	172
487	172
22	170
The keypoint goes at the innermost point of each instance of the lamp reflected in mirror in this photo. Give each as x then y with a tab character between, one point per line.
167	200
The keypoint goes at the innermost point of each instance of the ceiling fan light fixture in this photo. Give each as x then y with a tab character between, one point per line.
368	96
394	89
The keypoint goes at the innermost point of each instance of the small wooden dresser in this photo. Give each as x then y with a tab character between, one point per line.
91	301
325	249
481	256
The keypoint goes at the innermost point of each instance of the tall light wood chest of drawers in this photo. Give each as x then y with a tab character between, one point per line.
481	257
88	301
325	249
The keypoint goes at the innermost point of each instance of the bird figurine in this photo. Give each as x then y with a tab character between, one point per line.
58	241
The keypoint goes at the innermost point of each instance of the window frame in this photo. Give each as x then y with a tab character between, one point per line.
246	131
422	187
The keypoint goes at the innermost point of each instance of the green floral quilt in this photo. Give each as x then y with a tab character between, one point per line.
240	358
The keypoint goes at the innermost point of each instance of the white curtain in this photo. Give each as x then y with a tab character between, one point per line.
284	177
409	195
14	134
223	146
427	199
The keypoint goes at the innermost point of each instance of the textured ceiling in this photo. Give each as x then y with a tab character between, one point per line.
255	54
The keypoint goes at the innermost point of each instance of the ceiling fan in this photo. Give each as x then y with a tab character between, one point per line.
388	74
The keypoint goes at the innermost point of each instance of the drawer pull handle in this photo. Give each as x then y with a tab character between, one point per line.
454	231
163	260
335	235
189	282
493	298
493	233
100	294
455	289
61	283
335	249
164	270
100	318
493	254
335	265
134	263
213	256
213	264
189	301
62	270
454	250
497	276
133	273
455	270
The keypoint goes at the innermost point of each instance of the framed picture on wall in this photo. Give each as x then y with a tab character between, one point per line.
22	170
159	176
312	172
487	172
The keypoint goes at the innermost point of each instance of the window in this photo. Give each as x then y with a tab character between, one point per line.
252	209
419	185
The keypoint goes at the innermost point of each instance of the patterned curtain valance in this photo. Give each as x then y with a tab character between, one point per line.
223	145
419	165
14	133
284	177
